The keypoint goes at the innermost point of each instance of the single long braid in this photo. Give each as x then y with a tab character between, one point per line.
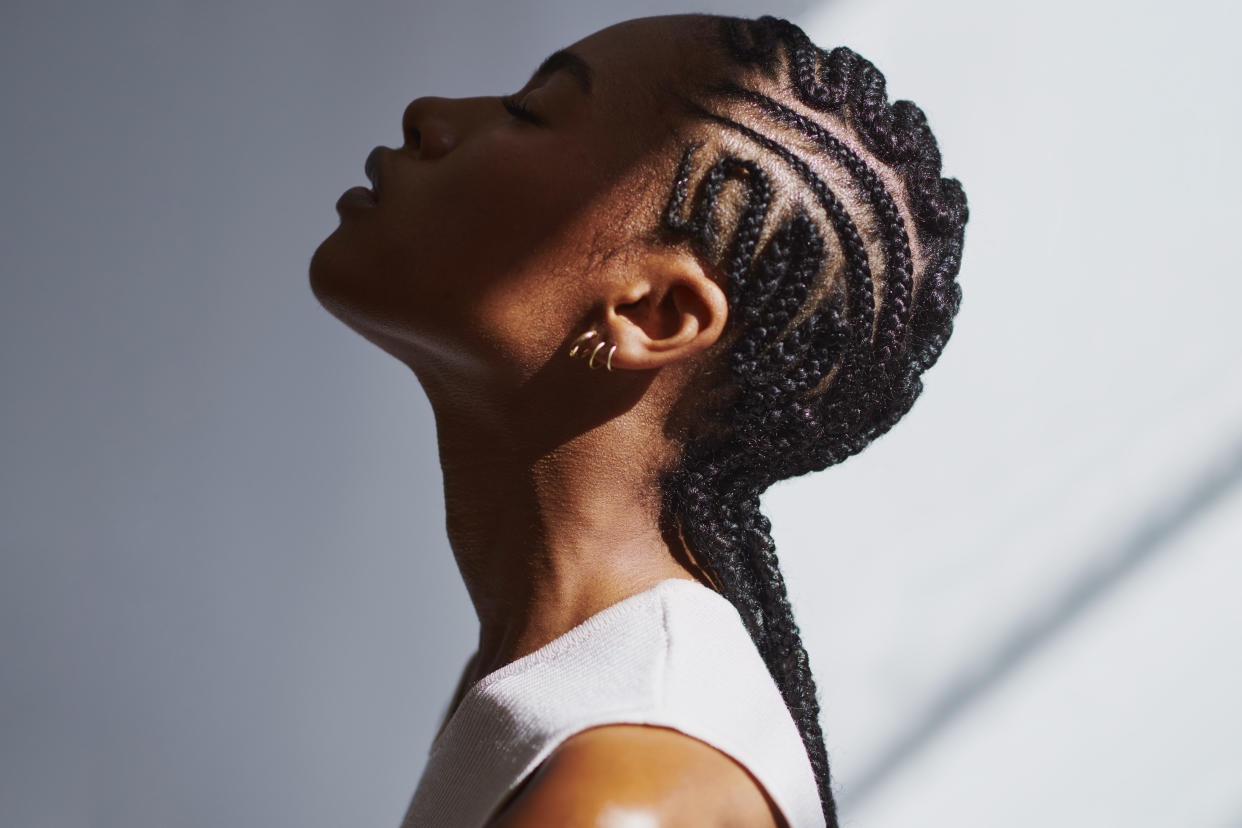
805	386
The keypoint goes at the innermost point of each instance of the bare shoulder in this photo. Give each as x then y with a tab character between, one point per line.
630	775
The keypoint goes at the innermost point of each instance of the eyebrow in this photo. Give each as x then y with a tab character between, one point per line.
572	63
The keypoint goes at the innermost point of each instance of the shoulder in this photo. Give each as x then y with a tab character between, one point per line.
611	775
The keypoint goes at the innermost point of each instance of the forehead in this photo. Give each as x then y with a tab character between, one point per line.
644	63
647	37
619	140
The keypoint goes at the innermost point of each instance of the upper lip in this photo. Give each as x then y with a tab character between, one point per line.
372	168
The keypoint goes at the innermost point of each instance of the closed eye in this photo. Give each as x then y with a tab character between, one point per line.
520	112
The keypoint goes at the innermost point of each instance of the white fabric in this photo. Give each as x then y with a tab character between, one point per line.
676	655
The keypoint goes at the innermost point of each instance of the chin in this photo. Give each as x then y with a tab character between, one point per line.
340	289
328	276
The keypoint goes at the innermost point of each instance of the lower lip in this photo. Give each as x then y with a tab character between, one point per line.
357	197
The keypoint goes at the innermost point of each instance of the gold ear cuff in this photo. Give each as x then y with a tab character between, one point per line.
583	342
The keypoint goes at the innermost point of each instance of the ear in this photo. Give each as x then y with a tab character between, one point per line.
668	309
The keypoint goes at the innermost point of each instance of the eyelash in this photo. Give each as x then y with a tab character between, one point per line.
518	111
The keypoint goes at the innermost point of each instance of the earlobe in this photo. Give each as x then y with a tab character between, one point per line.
670	309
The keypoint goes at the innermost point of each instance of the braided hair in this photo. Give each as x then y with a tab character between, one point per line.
838	300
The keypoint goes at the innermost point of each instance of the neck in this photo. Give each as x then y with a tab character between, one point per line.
546	538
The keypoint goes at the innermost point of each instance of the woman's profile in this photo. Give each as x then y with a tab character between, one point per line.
691	257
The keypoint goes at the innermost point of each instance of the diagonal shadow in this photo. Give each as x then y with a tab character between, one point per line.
1121	560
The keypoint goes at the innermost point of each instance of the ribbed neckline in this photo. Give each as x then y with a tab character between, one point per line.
567	640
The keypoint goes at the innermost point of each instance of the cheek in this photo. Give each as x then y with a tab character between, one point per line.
493	220
497	207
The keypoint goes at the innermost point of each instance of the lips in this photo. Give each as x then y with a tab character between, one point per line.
372	169
362	197
356	197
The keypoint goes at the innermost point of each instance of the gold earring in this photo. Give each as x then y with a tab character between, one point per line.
579	348
581	342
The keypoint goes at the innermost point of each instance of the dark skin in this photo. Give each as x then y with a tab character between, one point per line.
495	242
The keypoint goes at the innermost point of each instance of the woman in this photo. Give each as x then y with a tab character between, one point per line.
690	257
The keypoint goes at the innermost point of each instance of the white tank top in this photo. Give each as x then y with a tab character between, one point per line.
676	655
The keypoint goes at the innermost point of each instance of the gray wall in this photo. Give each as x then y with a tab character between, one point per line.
225	593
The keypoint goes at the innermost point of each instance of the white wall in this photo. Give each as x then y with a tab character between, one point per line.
1023	610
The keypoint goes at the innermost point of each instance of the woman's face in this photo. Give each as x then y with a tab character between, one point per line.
485	241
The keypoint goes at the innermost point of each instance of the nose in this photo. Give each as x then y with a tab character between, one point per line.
428	127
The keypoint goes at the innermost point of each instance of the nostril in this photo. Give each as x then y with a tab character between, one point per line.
413	137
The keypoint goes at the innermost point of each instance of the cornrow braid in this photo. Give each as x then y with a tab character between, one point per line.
819	361
899	272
